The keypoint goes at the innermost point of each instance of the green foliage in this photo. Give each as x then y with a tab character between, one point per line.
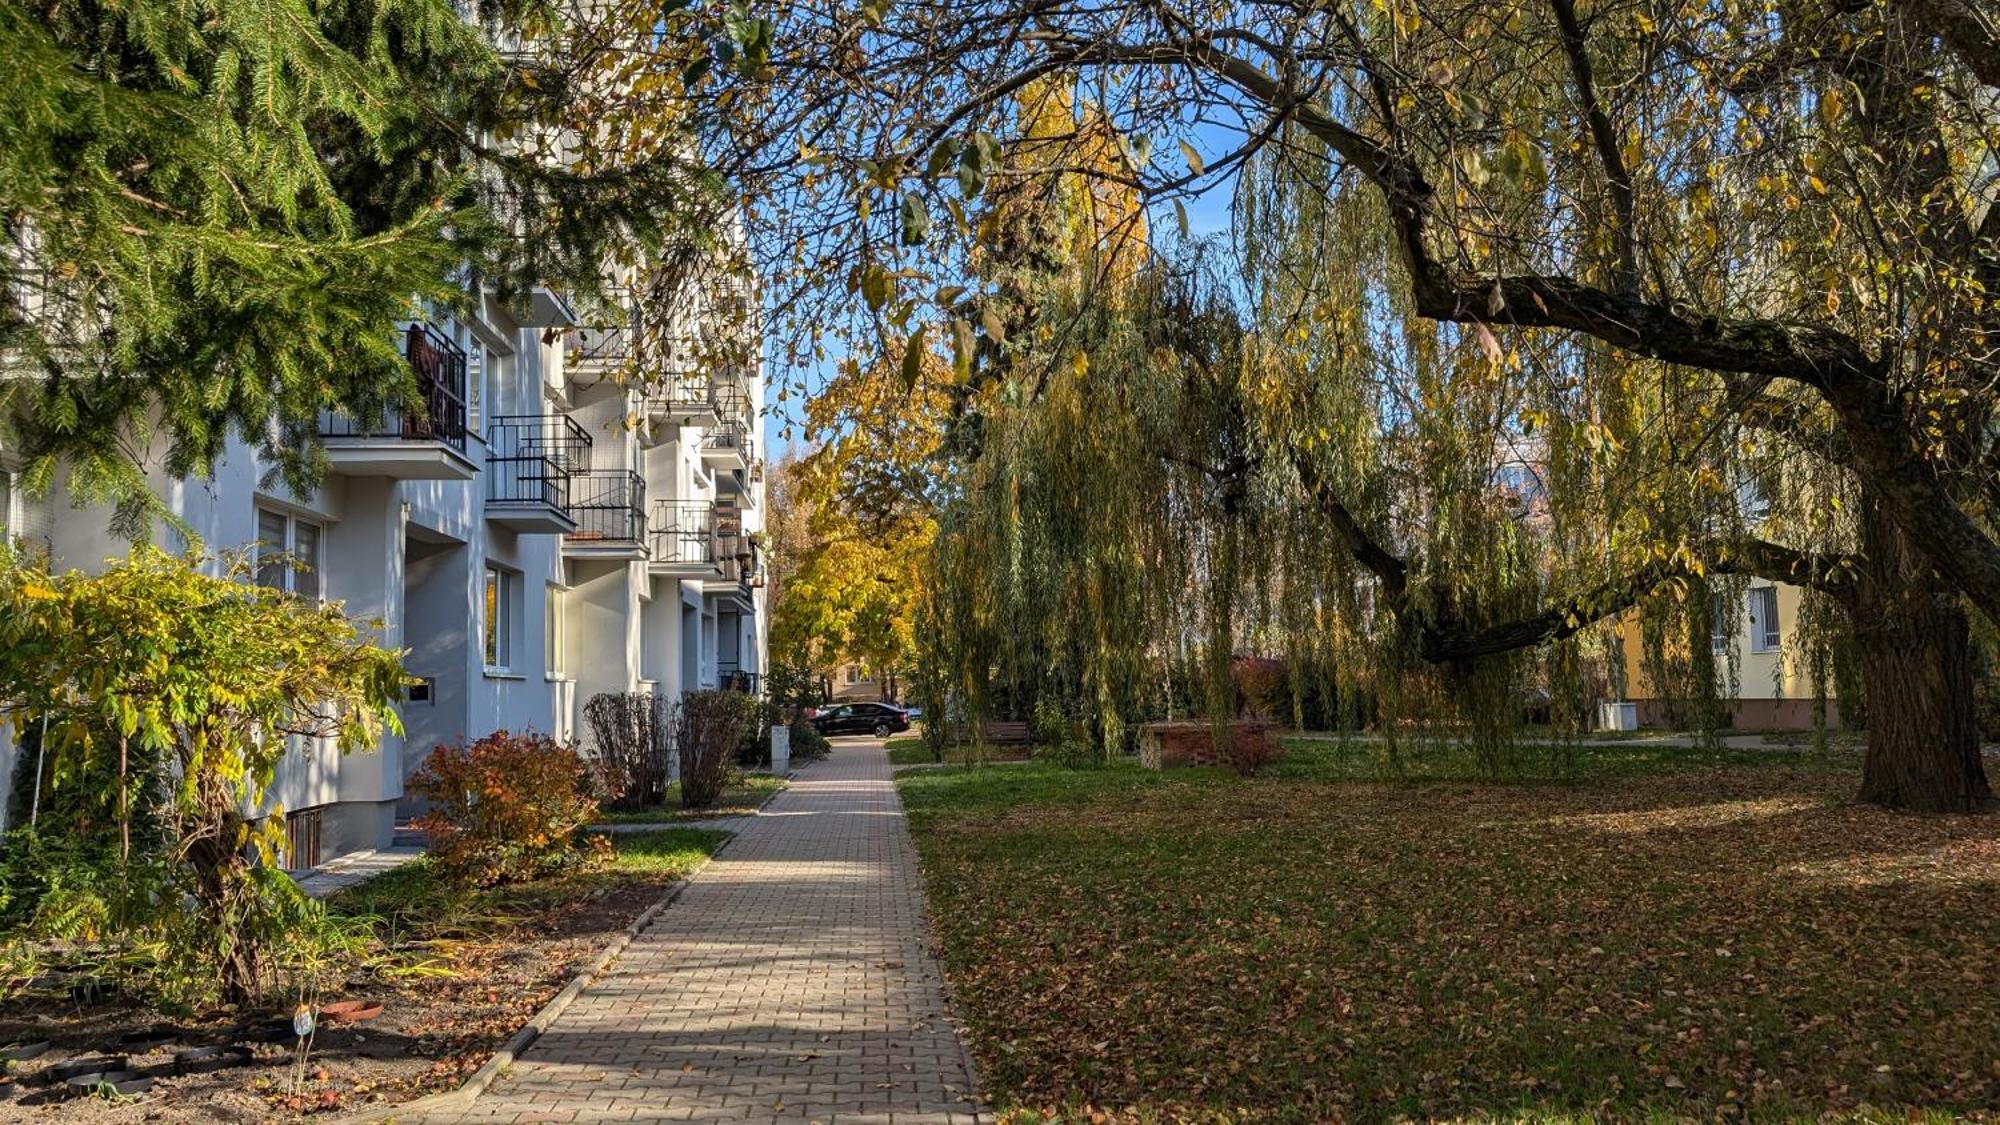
219	212
507	808
156	669
808	744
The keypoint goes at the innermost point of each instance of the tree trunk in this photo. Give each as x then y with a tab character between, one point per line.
1915	649
1923	732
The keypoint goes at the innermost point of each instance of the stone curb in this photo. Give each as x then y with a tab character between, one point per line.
521	1040
610	828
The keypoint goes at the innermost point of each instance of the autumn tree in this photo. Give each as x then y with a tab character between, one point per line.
204	684
857	516
1773	221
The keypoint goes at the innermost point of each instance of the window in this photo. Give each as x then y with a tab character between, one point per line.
280	535
1718	623
1764	635
502	588
1751	500
552	624
6	504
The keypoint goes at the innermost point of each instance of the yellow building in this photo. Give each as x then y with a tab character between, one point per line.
1773	687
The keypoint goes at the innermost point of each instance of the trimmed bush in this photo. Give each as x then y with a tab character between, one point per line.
710	730
506	808
633	741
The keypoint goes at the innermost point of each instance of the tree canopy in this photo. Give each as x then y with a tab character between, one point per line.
215	216
1668	254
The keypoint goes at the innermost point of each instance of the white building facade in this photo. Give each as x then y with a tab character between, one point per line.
558	524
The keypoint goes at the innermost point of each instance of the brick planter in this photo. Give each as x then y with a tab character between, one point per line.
1175	745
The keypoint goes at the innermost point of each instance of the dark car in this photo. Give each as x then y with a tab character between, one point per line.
878	719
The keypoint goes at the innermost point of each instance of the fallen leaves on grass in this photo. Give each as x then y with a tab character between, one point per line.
1734	941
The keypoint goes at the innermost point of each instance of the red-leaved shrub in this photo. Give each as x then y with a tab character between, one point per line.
1260	684
508	807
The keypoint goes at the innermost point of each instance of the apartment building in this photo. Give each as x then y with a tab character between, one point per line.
550	528
1765	682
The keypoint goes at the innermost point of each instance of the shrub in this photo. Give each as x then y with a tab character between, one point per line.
1261	686
1245	751
506	808
632	740
808	744
709	731
155	669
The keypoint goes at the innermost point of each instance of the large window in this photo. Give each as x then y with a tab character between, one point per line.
1718	623
503	591
1764	634
288	553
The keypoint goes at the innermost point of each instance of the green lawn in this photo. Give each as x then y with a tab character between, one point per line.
1670	937
413	898
1324	758
909	750
742	795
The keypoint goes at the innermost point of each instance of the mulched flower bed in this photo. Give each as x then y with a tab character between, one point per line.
448	999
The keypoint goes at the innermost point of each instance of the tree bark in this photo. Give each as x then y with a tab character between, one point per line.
1923	733
1915	647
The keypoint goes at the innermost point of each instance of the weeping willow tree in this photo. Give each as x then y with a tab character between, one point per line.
1207	456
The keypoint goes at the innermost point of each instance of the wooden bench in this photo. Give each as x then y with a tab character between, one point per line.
1005	734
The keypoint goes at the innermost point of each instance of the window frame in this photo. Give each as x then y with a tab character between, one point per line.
289	575
1720	636
1765	635
499	618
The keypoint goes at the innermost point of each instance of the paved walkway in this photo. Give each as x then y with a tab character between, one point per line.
792	981
356	868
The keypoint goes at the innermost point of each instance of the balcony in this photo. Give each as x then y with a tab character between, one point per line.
731	404
733	678
680	398
609	506
740	570
427	444
530	459
728	446
605	347
684	539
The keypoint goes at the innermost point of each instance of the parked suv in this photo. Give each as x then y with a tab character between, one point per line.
878	719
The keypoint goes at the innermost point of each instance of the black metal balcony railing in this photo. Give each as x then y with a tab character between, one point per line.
735	297
609	343
733	678
730	401
609	507
680	391
531	457
440	369
683	531
731	434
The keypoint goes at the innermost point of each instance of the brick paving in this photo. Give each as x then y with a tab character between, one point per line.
792	981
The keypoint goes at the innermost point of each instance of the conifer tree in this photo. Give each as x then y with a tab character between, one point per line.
217	211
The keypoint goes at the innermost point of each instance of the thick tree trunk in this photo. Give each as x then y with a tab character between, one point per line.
1923	732
1915	648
